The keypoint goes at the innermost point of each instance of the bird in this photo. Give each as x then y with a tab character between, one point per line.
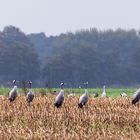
13	92
123	94
60	97
95	94
84	98
30	94
104	92
136	97
71	95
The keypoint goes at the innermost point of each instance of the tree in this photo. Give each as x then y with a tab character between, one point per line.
19	62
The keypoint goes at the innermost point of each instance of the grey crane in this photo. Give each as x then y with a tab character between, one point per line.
84	98
60	97
13	92
136	97
30	94
104	92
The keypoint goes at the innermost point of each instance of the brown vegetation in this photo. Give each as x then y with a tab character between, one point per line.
100	119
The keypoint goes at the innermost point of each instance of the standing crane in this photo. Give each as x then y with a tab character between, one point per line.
60	97
84	98
136	97
30	94
104	92
13	92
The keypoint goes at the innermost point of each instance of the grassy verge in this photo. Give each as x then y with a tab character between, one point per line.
111	92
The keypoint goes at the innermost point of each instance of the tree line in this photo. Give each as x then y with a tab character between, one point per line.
109	57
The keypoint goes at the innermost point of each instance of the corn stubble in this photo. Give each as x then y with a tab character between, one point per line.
99	119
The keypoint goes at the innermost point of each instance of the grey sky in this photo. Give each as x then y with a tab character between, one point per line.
56	16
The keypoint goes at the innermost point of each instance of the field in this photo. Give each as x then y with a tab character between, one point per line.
111	92
102	118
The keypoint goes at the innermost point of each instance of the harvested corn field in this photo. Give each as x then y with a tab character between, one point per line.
101	118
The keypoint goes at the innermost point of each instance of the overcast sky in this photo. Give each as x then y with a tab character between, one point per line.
58	16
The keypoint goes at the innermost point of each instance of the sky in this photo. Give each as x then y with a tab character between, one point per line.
59	16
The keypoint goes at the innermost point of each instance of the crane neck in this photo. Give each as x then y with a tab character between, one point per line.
15	86
103	88
62	92
86	91
30	86
30	89
62	86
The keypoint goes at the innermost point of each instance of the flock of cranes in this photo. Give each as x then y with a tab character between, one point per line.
60	97
13	93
